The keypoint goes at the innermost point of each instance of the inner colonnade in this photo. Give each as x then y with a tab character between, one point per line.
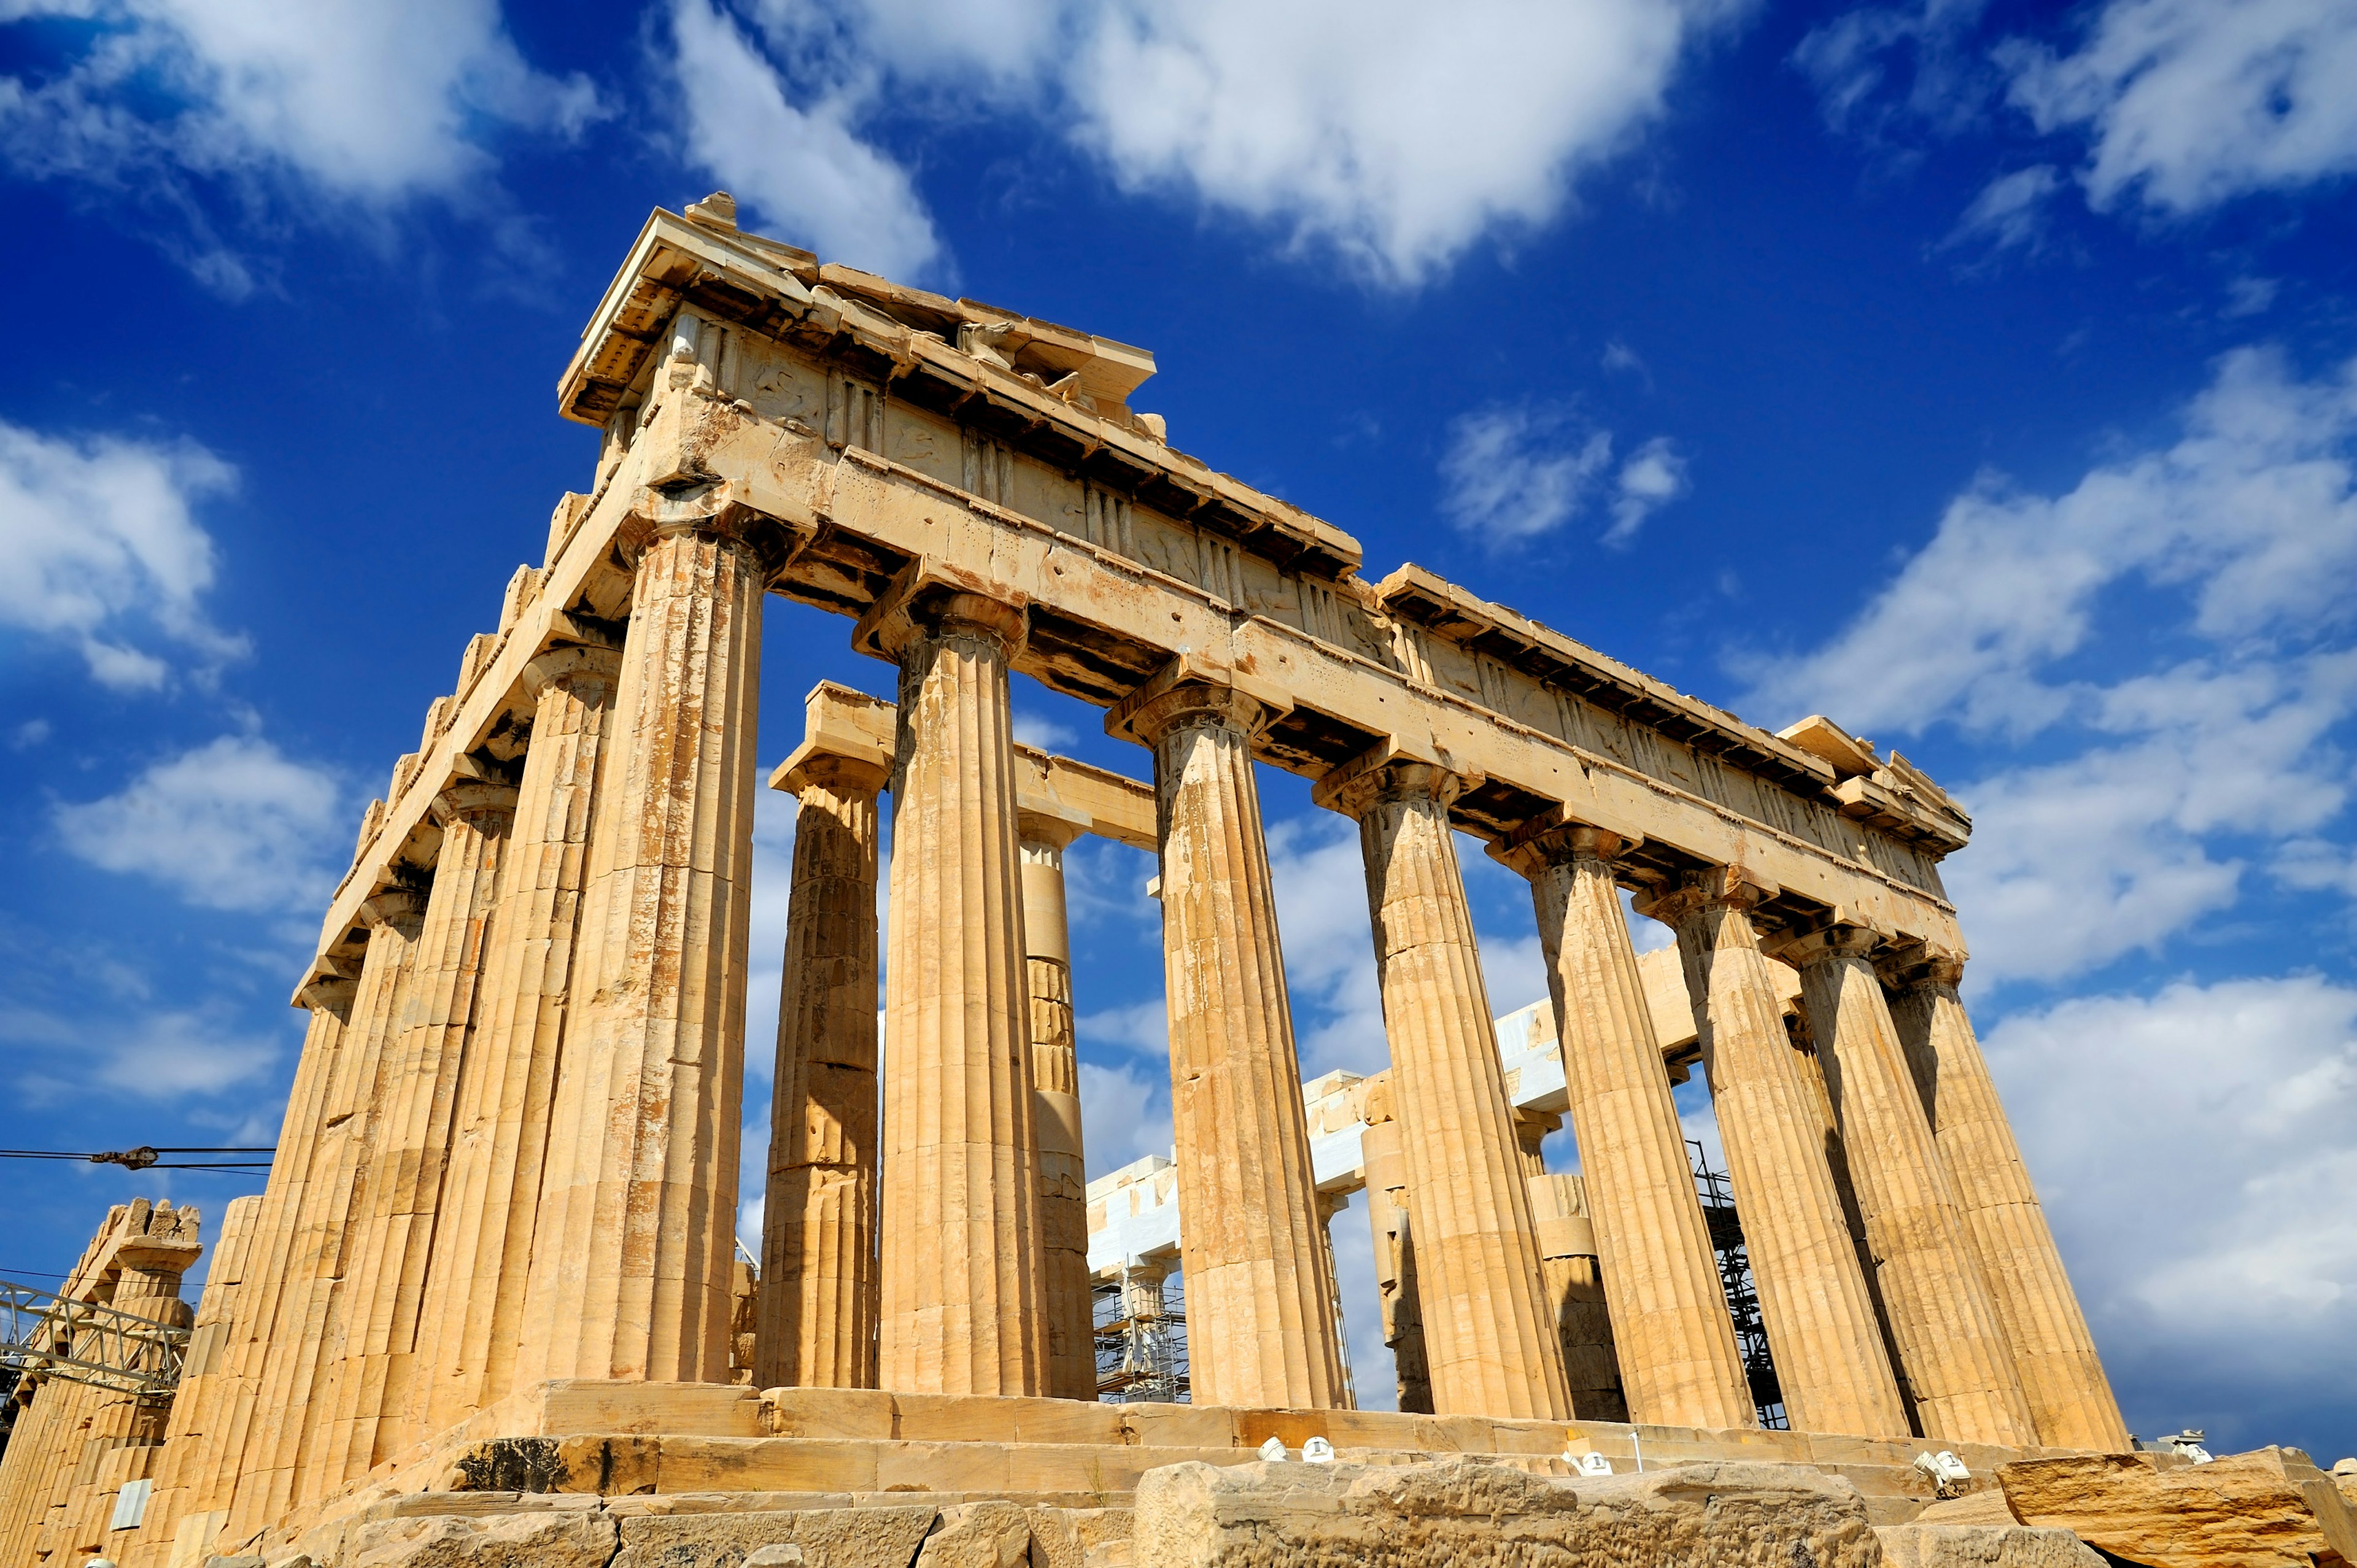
511	1153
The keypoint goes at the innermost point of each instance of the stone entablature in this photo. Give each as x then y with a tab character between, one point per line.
741	408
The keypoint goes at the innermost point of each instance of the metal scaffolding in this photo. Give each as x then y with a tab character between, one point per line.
1141	1339
1735	1280
55	1336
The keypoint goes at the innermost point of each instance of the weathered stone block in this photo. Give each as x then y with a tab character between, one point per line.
978	1535
1080	1538
1466	1511
570	1538
829	1538
2269	1506
1983	1546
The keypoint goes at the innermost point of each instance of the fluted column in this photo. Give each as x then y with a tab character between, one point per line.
1385	1158
416	1092
1055	1096
963	1307
1813	1298
471	1326
207	1462
1489	1340
1574	1288
157	1247
292	1368
2053	1353
1260	1300
205	1397
1679	1365
1951	1350
818	1291
632	1261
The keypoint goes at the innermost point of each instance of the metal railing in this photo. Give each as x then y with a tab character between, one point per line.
82	1342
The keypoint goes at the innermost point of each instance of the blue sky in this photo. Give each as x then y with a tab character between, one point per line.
1983	376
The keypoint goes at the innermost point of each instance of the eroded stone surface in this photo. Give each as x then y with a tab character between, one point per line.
567	1539
1982	1546
1467	1514
829	1538
2270	1505
978	1535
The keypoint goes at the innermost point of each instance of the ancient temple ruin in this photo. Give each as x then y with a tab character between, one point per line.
497	1251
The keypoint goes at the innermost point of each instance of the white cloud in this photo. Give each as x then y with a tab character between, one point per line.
104	554
171	1054
1125	1114
2158	780
2233	1106
1853	61
2009	213
802	168
2077	861
1654	476
358	101
1512	473
231	825
1390	135
1033	729
1329	948
2189	103
2250	297
2253	511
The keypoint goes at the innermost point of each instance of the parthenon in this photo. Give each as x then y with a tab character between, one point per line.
497	1253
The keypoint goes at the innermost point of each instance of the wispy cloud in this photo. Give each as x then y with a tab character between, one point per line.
106	555
362	105
1512	473
235	824
1654	476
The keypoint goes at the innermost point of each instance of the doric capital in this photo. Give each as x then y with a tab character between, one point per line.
1713	887
710	508
474	800
1912	963
1048	829
1189	690
573	669
1386	771
328	993
837	773
920	603
1836	938
394	905
1550	841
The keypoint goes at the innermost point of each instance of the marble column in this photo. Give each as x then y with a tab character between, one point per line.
473	1320
2053	1353
1813	1297
202	1404
1055	1096
1679	1364
415	1094
1574	1288
963	1307
818	1289
1490	1340
1260	1300
1951	1350
1385	1162
292	1368
156	1245
632	1258
206	1467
